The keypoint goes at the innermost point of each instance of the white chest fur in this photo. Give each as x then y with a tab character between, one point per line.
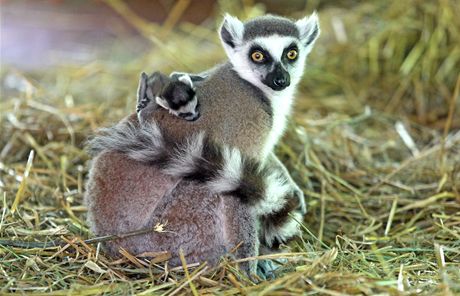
281	106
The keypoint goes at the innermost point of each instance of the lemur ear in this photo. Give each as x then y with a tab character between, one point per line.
187	80
142	87
231	31
162	102
308	29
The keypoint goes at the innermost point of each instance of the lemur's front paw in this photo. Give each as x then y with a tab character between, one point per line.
283	225
266	269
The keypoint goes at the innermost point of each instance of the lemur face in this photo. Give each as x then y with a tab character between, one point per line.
175	94
269	51
180	99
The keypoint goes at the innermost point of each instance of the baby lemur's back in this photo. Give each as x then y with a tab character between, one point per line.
233	112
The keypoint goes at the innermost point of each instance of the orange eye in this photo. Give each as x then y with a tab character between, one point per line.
257	56
292	54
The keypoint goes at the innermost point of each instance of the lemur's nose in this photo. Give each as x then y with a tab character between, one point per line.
279	81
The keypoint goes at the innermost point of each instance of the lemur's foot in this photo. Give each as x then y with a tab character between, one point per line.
266	269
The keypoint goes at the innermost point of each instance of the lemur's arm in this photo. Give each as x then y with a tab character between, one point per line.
274	162
278	227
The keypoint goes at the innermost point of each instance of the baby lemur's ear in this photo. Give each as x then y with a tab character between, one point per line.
187	80
231	31
142	87
309	29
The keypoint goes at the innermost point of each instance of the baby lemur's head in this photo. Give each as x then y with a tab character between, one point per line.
176	94
269	51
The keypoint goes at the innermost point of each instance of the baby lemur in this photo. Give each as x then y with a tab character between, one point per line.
215	182
175	93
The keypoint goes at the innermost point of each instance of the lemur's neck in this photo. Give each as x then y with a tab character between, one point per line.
282	102
281	106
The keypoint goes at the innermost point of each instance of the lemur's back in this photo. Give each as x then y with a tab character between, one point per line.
232	110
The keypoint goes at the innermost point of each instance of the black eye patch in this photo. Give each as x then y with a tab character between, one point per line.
284	58
267	57
177	94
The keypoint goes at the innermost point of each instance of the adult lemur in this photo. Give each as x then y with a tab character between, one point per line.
214	182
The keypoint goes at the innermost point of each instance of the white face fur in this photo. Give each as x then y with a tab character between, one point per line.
188	109
268	59
271	60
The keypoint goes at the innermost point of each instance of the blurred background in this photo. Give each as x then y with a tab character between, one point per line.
389	54
374	140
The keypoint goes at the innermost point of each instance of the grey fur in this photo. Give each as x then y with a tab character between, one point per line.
269	25
124	194
145	143
140	142
222	95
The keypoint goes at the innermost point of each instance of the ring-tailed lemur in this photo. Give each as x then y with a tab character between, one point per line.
244	105
175	94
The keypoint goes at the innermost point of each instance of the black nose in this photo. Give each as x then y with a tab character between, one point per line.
279	81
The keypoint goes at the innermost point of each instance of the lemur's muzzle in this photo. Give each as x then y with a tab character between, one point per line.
278	79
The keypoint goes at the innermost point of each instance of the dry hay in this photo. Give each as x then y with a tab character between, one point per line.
375	143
